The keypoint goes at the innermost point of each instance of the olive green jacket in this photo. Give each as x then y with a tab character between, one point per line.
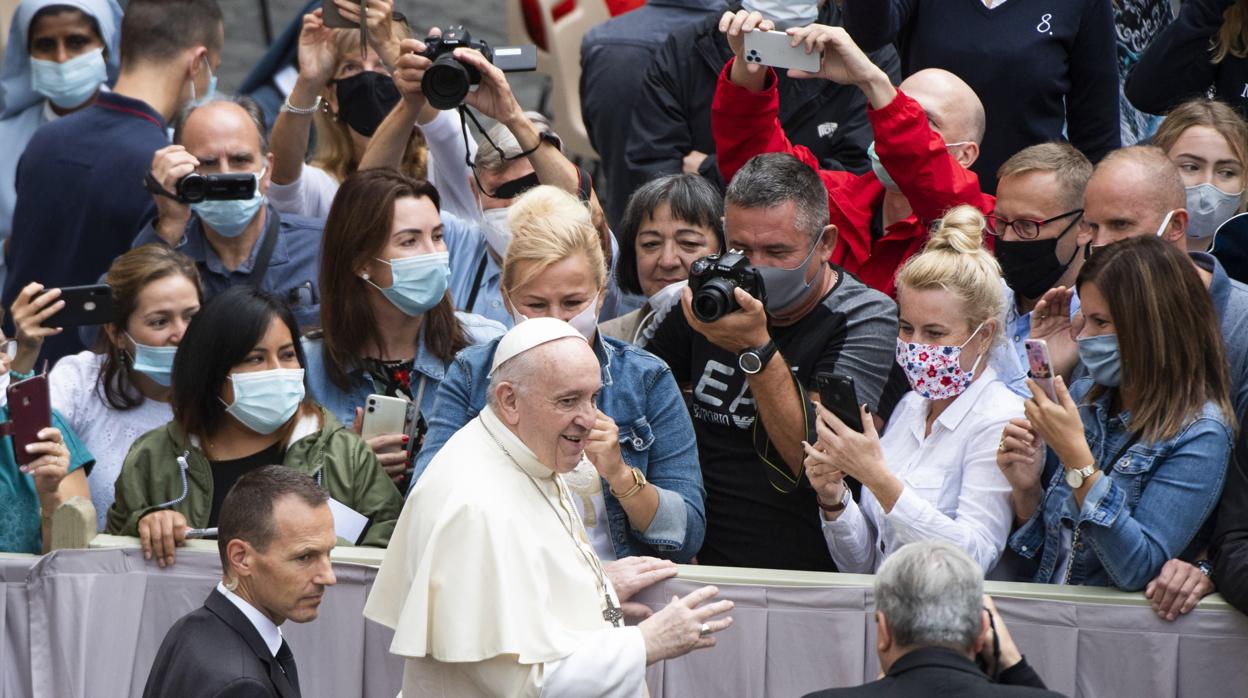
333	455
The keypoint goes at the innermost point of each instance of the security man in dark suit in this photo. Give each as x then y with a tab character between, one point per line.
275	534
932	619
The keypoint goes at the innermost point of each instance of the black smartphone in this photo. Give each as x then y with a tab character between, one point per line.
332	18
837	393
84	305
30	410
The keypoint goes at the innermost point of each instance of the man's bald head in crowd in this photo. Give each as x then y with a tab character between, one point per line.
952	107
1135	191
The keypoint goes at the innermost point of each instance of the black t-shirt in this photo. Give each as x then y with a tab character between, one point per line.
757	513
226	472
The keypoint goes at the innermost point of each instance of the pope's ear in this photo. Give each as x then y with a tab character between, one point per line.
506	403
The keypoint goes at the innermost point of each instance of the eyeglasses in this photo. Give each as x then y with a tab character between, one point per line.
1027	229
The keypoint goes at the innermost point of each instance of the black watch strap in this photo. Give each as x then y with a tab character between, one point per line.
755	359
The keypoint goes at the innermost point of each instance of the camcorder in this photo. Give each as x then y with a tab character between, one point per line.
712	280
447	81
195	187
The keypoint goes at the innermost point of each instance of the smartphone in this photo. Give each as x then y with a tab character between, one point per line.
1040	366
84	305
384	415
837	393
773	49
331	17
30	411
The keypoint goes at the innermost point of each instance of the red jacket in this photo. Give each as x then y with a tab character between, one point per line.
745	124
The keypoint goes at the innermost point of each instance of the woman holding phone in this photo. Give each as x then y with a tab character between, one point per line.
1119	474
387	323
240	404
933	474
119	390
640	490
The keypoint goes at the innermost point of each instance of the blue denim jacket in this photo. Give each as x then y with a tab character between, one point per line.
1146	511
343	402
656	436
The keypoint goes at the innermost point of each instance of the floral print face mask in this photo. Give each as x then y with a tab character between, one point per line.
935	370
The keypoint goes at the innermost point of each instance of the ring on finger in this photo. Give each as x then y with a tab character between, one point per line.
1001	445
706	630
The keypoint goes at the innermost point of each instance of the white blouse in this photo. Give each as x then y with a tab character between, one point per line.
106	432
952	488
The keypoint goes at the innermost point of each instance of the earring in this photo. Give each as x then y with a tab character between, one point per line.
364	276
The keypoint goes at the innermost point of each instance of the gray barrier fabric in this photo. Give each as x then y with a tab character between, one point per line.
82	624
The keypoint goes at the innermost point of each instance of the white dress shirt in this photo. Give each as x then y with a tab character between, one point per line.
270	633
952	488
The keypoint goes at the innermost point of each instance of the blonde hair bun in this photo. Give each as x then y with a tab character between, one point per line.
961	231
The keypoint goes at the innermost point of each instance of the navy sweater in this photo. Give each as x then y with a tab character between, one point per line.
1035	65
1178	65
80	199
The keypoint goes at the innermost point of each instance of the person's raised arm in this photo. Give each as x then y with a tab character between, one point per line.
1092	109
289	138
876	23
383	34
1177	65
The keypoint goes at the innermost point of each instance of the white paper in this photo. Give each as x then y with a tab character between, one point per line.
348	523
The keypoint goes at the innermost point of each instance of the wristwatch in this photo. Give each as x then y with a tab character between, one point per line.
839	506
1076	476
755	359
639	481
1205	567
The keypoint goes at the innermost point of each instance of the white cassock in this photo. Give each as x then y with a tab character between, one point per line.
490	585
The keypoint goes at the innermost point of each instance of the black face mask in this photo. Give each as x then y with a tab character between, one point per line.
1031	267
365	100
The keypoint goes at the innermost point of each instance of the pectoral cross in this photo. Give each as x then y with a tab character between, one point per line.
612	613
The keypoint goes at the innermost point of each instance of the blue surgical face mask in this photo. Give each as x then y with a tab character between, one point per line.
1099	355
209	93
265	400
230	218
417	283
72	83
878	168
154	362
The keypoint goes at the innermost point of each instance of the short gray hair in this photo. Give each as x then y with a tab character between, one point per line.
931	595
247	104
771	179
499	148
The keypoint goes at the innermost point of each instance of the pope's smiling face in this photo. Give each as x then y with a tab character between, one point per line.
555	404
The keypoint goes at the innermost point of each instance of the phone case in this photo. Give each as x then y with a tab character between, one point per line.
384	415
773	49
837	393
331	17
1040	365
84	305
30	411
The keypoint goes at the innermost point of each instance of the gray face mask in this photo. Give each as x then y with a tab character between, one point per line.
1207	208
787	287
785	13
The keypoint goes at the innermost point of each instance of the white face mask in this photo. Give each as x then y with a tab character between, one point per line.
785	13
496	230
585	322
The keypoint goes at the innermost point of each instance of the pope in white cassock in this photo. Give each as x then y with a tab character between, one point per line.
490	582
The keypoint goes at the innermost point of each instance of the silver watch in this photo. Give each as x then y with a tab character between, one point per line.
1076	476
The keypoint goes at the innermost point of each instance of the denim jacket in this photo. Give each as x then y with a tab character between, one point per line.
431	369
1146	508
656	436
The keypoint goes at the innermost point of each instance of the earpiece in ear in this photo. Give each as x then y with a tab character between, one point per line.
364	276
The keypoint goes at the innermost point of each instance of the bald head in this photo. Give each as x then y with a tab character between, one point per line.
952	106
1131	193
235	118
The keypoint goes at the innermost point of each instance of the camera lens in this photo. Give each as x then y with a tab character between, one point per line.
714	300
445	83
192	188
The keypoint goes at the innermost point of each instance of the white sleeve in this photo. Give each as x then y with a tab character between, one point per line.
310	195
611	664
448	173
984	514
851	539
69	384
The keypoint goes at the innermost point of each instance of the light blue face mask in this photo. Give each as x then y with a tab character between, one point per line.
417	283
230	218
72	83
209	93
265	400
154	362
878	168
1100	355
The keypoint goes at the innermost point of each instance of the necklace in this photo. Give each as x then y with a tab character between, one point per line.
612	613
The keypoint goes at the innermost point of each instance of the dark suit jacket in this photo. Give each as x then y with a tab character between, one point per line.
215	652
934	671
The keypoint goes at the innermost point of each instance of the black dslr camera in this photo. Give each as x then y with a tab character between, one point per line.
446	82
196	187
713	279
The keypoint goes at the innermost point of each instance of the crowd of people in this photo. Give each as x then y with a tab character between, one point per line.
800	320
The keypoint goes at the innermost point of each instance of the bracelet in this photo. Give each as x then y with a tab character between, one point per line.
288	107
16	376
639	482
839	506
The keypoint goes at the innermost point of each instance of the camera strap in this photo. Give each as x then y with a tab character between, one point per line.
476	281
271	231
153	187
464	115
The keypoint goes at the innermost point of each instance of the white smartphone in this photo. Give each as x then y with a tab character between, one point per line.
773	49
384	415
1040	365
